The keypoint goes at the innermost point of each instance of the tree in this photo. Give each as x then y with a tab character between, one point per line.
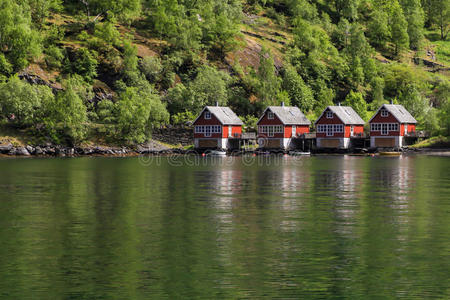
299	93
66	116
19	43
357	102
208	87
268	84
415	17
347	8
398	24
440	15
23	103
137	112
41	9
379	32
85	64
125	10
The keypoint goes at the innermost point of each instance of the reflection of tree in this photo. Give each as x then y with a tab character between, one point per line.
328	228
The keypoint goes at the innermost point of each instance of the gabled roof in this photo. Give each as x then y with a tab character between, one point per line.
224	114
288	115
346	114
399	112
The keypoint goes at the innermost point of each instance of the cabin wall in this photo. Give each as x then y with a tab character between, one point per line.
266	121
325	120
235	129
302	129
379	119
202	121
287	131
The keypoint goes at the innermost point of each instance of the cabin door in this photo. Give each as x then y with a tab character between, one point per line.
294	131
352	131
230	131
406	129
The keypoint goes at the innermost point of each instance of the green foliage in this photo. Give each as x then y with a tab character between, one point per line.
85	64
107	33
193	25
415	17
66	116
54	57
152	68
300	94
23	103
399	26
183	118
137	112
357	102
18	41
250	122
208	87
41	9
267	82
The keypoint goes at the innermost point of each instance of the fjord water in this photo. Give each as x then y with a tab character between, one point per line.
263	227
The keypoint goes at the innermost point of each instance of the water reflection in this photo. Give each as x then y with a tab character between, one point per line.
319	227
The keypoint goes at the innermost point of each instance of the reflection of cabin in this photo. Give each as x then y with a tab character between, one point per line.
336	125
279	125
390	124
217	127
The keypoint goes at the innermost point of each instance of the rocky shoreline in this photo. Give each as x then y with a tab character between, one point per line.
152	148
61	151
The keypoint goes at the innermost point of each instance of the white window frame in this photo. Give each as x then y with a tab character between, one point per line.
208	130
352	130
384	113
207	115
294	131
330	131
270	131
384	129
329	115
270	115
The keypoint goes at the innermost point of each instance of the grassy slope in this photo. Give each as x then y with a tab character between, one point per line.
434	142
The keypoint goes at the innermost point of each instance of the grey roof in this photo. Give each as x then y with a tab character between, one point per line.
399	112
225	115
289	115
347	115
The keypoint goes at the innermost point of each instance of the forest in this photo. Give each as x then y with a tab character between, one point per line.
112	71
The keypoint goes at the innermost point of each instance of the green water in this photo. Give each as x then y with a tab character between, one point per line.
264	227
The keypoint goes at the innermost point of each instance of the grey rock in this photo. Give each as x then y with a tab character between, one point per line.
22	151
38	151
6	148
30	149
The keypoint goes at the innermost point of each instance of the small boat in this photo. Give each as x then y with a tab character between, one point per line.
390	153
216	153
299	153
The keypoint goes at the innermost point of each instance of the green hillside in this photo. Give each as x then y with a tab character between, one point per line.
110	71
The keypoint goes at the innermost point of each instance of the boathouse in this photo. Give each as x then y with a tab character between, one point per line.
336	126
217	127
279	125
390	125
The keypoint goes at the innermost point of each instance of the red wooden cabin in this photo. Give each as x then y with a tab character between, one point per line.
278	125
390	124
217	127
336	125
